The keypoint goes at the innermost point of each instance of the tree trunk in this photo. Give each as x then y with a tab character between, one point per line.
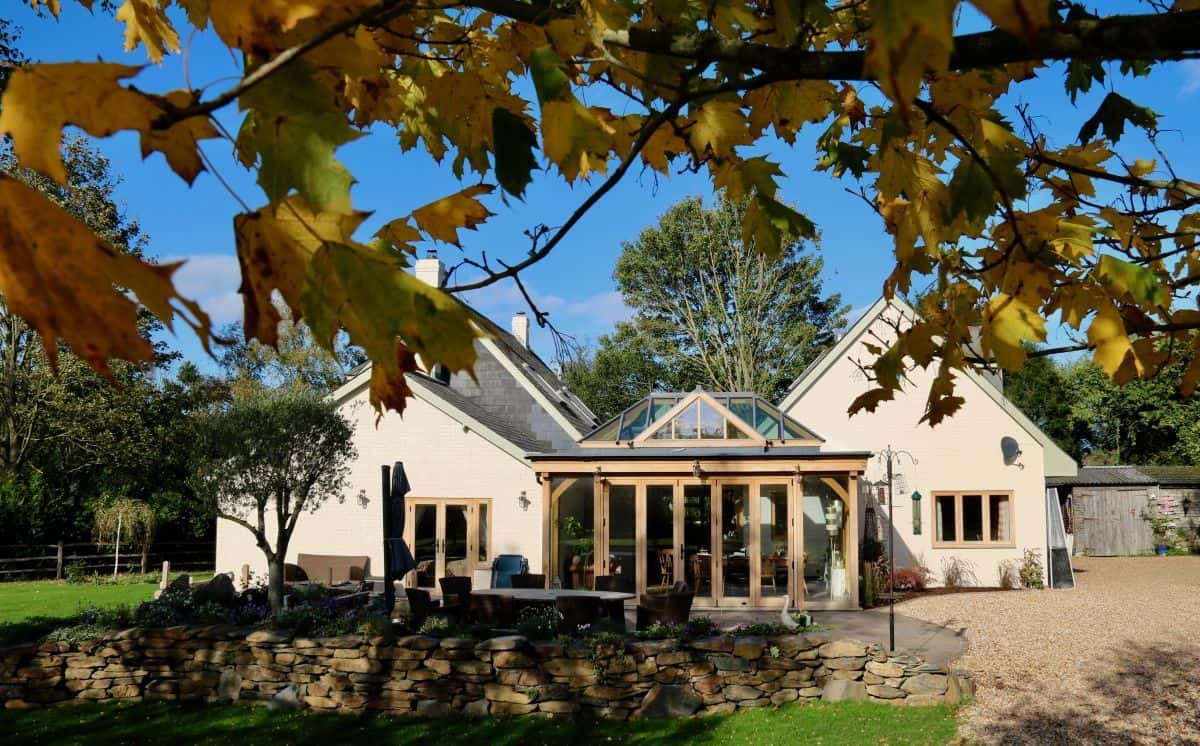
275	582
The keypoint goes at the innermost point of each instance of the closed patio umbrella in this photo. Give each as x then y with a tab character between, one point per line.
397	558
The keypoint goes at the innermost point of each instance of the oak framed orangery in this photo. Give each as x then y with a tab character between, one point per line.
719	490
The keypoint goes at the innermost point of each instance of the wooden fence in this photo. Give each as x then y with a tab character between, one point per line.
43	561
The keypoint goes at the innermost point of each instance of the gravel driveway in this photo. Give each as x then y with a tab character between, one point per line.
1117	660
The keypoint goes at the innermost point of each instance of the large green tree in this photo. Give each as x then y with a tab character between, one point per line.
618	371
1099	422
711	309
264	461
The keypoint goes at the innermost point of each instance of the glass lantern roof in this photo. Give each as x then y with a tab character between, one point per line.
674	417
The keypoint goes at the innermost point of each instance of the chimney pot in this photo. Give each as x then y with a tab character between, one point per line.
520	328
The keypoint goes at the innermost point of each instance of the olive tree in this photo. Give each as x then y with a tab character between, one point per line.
263	461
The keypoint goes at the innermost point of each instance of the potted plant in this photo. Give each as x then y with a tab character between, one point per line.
582	545
1161	527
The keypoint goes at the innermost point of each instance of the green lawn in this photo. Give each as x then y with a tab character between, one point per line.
848	723
29	608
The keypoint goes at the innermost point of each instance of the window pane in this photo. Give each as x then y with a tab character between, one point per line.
609	431
572	531
661	407
735	539
773	540
622	533
712	423
697	537
743	407
483	532
972	517
1000	515
687	423
635	421
768	421
734	432
947	527
823	555
660	535
425	544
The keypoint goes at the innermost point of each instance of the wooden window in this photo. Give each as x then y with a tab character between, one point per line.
968	519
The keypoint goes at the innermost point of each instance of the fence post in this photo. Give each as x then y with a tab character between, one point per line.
58	564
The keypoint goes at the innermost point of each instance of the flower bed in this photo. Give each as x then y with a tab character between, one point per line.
605	675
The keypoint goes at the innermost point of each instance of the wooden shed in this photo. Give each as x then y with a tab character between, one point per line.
1103	505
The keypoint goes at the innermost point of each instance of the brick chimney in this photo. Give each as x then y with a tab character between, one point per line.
520	328
430	270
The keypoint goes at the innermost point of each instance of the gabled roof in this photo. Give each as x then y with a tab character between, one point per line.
699	419
531	374
1057	461
505	435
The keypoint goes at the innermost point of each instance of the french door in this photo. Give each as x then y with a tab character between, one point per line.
448	538
729	540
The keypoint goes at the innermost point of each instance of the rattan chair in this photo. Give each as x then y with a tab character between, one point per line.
455	591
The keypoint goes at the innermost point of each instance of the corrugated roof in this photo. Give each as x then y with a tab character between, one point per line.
1173	476
1103	476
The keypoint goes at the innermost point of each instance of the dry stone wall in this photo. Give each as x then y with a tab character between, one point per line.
501	676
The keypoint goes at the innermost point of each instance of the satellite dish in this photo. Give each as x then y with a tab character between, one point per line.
1011	450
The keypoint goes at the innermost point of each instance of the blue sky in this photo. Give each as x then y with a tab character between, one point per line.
575	282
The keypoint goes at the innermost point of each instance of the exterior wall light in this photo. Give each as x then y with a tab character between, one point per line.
523	500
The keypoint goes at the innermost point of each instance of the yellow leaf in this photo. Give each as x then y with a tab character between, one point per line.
443	219
739	178
1020	17
1009	321
1108	335
42	99
256	26
907	38
67	283
146	23
1141	167
573	138
718	126
400	235
387	312
275	246
180	142
790	105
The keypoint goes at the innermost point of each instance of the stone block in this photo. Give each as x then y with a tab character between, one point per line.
477	709
502	693
760	702
886	670
730	663
926	683
843	649
883	691
509	642
839	690
510	708
844	664
712	644
667	701
750	647
559	707
924	700
848	675
356	665
738	692
511	659
784	695
572	667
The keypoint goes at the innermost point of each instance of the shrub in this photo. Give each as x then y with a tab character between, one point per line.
1009	577
910	579
538	622
1032	575
75	572
957	572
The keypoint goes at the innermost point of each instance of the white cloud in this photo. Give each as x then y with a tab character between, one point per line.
1191	76
212	280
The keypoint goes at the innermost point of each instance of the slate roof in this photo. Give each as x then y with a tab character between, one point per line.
1129	476
540	374
503	427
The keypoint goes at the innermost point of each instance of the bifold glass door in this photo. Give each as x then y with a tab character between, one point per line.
448	538
728	540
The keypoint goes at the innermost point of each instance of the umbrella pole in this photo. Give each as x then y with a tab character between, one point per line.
389	589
